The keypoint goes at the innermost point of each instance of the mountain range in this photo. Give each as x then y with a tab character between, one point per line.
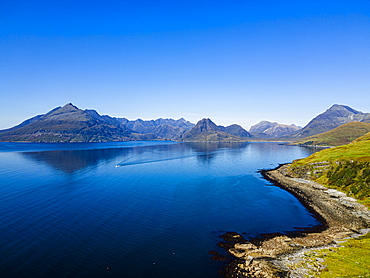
266	129
157	129
71	124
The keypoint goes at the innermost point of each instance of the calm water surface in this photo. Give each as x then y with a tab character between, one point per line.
136	209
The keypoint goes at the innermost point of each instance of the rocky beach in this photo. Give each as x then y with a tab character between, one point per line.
277	255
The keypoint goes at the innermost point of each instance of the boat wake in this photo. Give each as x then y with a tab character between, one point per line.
142	159
151	157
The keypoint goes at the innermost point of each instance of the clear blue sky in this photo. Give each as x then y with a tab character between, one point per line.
232	61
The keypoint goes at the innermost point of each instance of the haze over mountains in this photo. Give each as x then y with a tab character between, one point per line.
266	129
71	124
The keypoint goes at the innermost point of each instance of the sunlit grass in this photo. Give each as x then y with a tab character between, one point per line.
345	168
358	150
341	135
352	260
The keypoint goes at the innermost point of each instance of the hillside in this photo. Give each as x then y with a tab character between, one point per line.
341	135
364	138
346	168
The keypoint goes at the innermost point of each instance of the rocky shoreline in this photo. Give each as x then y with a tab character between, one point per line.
273	255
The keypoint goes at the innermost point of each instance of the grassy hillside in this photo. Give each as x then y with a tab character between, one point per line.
341	135
346	168
366	137
350	260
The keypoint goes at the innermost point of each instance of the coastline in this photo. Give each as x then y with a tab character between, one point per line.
341	218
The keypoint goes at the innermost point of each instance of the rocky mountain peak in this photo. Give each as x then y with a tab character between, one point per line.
262	126
333	117
344	108
206	130
273	129
237	130
70	106
67	112
206	125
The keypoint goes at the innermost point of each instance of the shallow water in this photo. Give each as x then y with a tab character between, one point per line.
136	209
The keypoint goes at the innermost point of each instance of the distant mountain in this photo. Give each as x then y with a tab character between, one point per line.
237	130
168	131
65	124
206	130
261	126
71	124
266	129
161	128
333	117
24	123
169	128
105	118
366	119
341	135
281	130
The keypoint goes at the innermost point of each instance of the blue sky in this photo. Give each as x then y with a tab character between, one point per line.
232	61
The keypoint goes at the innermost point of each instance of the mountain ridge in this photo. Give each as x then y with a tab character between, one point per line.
64	124
207	131
71	124
68	123
333	117
266	129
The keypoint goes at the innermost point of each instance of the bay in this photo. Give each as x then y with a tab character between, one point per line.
136	209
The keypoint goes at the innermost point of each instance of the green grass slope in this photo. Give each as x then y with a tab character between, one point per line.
345	168
341	135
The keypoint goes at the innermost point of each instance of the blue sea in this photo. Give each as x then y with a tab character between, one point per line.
136	209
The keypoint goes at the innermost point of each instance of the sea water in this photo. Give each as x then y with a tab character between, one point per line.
136	209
